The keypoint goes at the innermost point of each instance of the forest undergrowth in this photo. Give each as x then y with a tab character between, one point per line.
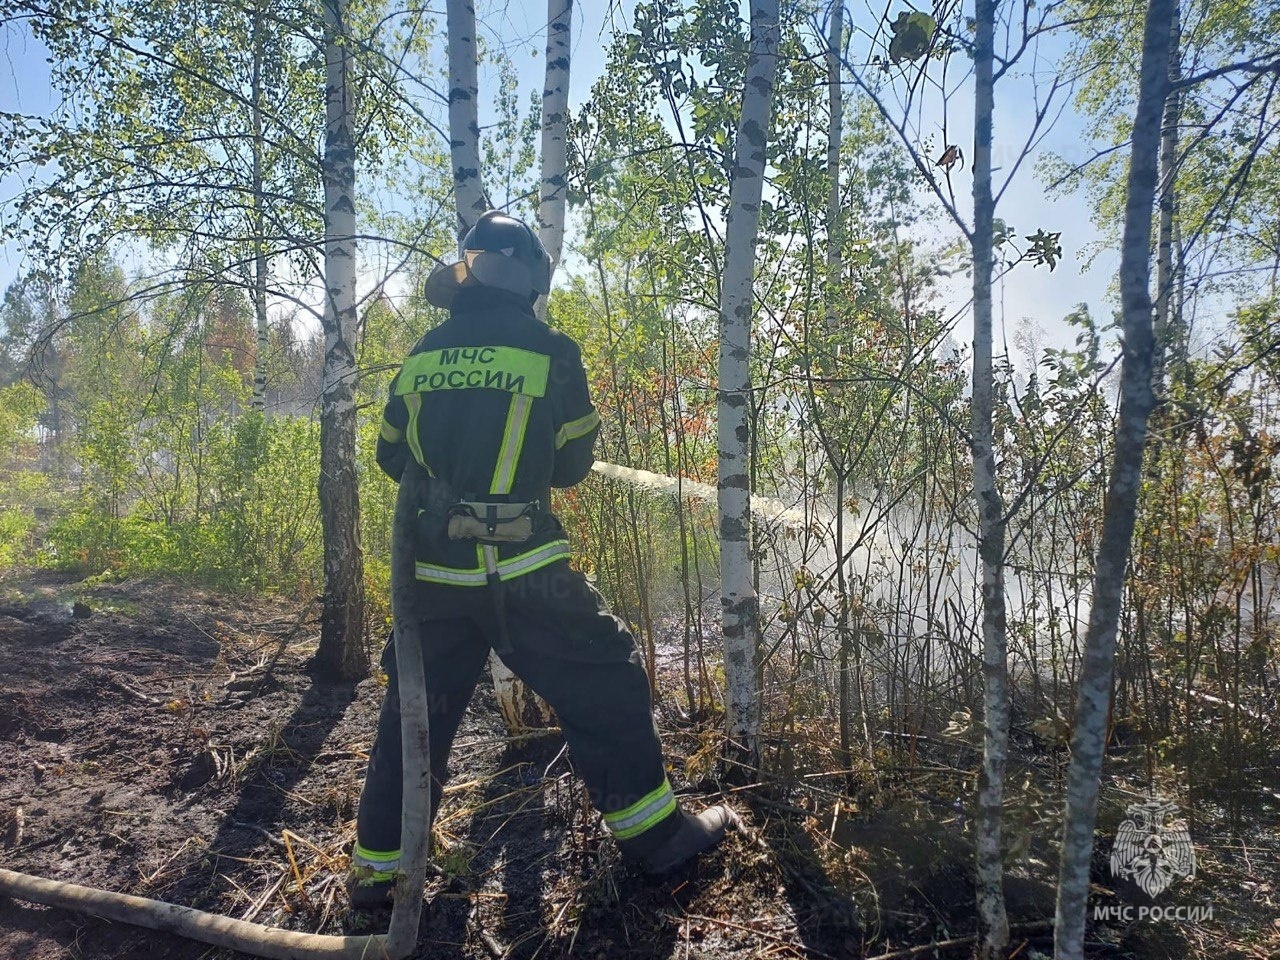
170	742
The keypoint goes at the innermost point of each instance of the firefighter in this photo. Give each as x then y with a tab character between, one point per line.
494	405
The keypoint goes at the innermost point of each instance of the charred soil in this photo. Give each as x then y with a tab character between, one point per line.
160	740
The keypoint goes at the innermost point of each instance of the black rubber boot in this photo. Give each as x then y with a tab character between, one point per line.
368	894
695	835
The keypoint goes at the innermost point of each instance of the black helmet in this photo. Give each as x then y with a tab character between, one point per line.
499	252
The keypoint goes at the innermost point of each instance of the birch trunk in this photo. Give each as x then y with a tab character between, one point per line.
555	129
835	108
737	593
835	452
993	922
341	651
1136	400
259	241
464	122
1165	327
521	708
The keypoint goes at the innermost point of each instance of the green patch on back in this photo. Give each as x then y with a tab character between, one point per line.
509	369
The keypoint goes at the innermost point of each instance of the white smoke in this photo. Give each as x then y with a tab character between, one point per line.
768	507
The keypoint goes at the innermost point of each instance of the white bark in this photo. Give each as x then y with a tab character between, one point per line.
520	707
555	129
993	921
522	710
1165	325
464	123
835	109
340	654
1136	399
737	592
259	224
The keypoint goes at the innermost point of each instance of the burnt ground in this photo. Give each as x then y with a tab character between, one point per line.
167	742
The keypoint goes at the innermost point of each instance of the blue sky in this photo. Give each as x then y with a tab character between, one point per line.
520	29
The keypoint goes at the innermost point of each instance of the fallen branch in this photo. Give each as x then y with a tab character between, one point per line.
490	943
1212	701
135	693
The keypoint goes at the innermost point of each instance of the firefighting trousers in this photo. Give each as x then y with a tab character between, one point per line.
575	655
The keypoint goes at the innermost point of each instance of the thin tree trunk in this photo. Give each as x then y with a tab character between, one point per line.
1136	400
738	599
555	127
521	708
341	651
993	922
259	243
1166	333
835	265
464	123
835	108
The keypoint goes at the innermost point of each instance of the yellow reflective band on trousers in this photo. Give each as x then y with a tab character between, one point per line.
382	863
504	473
647	812
475	368
577	428
508	569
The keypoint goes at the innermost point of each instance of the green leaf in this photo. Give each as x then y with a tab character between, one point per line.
912	34
1045	248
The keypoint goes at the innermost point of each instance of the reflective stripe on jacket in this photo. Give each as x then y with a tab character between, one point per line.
495	404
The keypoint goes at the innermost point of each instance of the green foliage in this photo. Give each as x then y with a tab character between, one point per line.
509	156
1226	202
170	476
912	34
24	490
1045	248
16	528
20	407
258	529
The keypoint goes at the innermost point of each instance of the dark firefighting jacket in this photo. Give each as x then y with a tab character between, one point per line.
495	405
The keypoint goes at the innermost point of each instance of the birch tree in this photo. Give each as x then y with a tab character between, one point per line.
1165	253
835	135
738	601
464	118
340	654
993	920
555	128
1136	399
521	708
258	214
913	38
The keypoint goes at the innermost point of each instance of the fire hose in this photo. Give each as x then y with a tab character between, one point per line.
273	942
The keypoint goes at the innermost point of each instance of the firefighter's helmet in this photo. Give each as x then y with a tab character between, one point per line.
499	252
